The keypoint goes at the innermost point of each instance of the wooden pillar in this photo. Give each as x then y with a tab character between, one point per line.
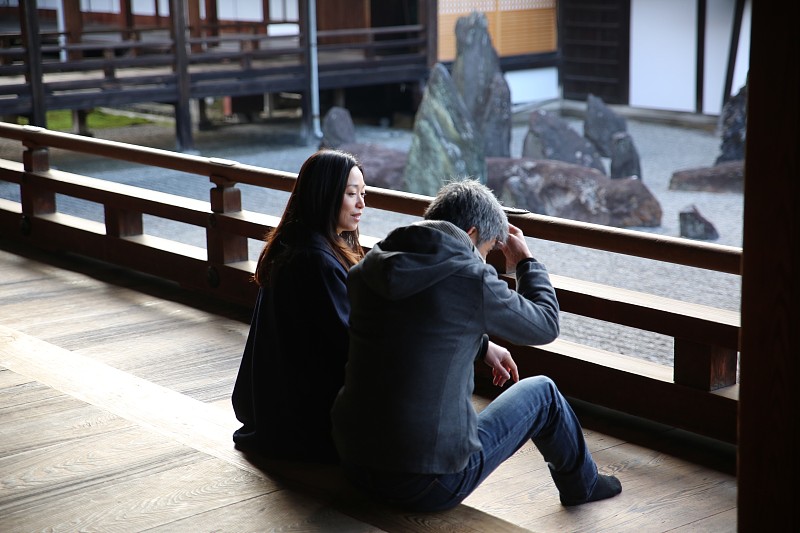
224	247
769	463
29	19
704	367
73	24
700	56
122	223
195	24
35	200
183	114
305	101
126	20
428	13
212	19
80	122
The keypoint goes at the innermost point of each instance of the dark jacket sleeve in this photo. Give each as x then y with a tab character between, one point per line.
526	316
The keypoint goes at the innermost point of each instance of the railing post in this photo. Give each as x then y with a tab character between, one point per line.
35	200
224	247
122	223
704	367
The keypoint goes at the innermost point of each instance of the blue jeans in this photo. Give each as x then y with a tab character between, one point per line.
531	409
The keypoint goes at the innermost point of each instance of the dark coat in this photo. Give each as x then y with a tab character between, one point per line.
422	300
293	362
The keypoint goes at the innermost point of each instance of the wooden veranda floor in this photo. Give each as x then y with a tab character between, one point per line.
115	416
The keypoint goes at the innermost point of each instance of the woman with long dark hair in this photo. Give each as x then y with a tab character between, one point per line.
293	362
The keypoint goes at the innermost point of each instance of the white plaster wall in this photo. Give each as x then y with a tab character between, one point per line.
103	6
664	54
719	26
536	85
743	54
662	57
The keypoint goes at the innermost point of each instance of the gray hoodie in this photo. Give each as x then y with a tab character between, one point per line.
421	301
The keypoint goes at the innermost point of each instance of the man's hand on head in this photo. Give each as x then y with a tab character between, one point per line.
515	248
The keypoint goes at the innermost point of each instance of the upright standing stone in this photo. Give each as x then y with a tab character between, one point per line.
495	122
445	144
624	157
600	125
733	124
480	81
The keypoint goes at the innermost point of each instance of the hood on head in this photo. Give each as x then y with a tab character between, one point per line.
412	258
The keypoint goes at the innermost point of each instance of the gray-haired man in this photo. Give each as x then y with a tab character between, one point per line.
423	302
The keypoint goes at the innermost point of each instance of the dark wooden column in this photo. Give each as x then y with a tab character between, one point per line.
768	401
73	24
428	12
126	20
212	18
183	115
195	23
29	19
305	101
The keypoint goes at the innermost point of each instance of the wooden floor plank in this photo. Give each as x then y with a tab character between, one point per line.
189	422
115	414
282	511
165	411
52	420
166	493
718	523
51	473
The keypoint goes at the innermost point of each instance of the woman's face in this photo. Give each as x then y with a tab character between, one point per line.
352	202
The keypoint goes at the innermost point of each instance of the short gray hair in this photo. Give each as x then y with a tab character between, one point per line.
468	203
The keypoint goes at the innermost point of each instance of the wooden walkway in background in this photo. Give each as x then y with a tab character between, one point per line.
115	416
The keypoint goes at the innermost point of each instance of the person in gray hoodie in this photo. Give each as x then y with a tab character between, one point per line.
423	304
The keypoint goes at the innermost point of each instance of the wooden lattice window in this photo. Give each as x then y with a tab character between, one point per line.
517	27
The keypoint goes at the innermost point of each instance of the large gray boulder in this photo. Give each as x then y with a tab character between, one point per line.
724	177
445	144
478	78
383	167
574	192
550	137
600	124
337	128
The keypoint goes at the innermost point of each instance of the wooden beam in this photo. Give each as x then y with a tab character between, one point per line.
126	21
769	409
195	23
428	12
183	115
33	59
73	24
700	56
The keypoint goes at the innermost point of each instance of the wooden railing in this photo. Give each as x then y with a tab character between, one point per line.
112	70
698	394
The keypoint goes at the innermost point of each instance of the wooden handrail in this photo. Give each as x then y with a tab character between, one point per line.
658	247
703	378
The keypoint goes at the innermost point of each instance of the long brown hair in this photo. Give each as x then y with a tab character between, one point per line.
313	205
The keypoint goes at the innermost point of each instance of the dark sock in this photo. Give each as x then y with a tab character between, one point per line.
606	487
